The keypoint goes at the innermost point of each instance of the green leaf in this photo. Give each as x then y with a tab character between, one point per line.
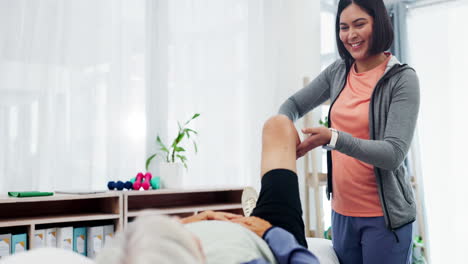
148	161
195	146
193	117
182	158
190	130
158	139
164	149
179	149
179	137
324	122
180	127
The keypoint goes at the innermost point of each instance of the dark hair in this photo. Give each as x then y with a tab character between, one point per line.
382	31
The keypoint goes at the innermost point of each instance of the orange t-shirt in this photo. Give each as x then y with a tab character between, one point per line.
354	184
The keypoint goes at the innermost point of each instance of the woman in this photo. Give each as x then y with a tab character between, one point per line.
374	108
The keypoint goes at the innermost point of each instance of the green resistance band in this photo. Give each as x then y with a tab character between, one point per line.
29	194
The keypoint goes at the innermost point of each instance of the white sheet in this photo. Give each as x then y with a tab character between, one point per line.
47	256
323	249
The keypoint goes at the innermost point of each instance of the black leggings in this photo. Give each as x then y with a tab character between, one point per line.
279	203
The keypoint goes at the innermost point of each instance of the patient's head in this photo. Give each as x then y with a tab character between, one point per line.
153	239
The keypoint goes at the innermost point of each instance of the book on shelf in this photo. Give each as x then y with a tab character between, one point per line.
79	241
19	243
5	245
65	237
39	238
108	233
51	237
95	240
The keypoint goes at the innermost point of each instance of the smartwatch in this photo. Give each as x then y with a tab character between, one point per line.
334	138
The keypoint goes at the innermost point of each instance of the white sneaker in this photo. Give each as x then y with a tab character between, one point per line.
249	200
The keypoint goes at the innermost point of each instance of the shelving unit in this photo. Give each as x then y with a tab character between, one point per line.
315	182
25	215
182	202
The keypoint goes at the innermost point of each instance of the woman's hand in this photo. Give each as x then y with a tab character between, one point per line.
210	215
318	136
254	224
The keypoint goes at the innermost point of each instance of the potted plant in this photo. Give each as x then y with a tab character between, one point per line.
171	169
324	122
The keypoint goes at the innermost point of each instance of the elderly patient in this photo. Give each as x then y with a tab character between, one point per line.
274	233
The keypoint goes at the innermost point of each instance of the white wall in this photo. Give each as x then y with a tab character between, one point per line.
235	62
438	41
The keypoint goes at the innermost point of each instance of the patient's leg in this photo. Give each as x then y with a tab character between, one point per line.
279	201
279	142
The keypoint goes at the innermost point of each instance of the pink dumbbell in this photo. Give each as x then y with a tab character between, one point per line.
138	181
146	183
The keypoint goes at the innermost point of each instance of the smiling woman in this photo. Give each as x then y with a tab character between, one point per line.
360	38
374	107
356	35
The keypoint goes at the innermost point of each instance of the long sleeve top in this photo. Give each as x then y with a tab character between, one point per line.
285	248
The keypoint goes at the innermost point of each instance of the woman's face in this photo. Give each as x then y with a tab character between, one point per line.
356	31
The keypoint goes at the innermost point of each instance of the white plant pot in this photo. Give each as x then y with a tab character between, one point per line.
172	175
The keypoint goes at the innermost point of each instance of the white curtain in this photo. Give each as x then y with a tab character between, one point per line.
234	62
72	93
438	40
86	85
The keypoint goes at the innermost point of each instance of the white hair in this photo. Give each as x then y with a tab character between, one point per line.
152	239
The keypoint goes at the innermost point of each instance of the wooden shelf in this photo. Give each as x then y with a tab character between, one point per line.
183	191
25	215
314	181
190	209
61	208
182	202
57	197
322	178
56	219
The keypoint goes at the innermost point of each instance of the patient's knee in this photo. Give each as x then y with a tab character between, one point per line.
279	125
